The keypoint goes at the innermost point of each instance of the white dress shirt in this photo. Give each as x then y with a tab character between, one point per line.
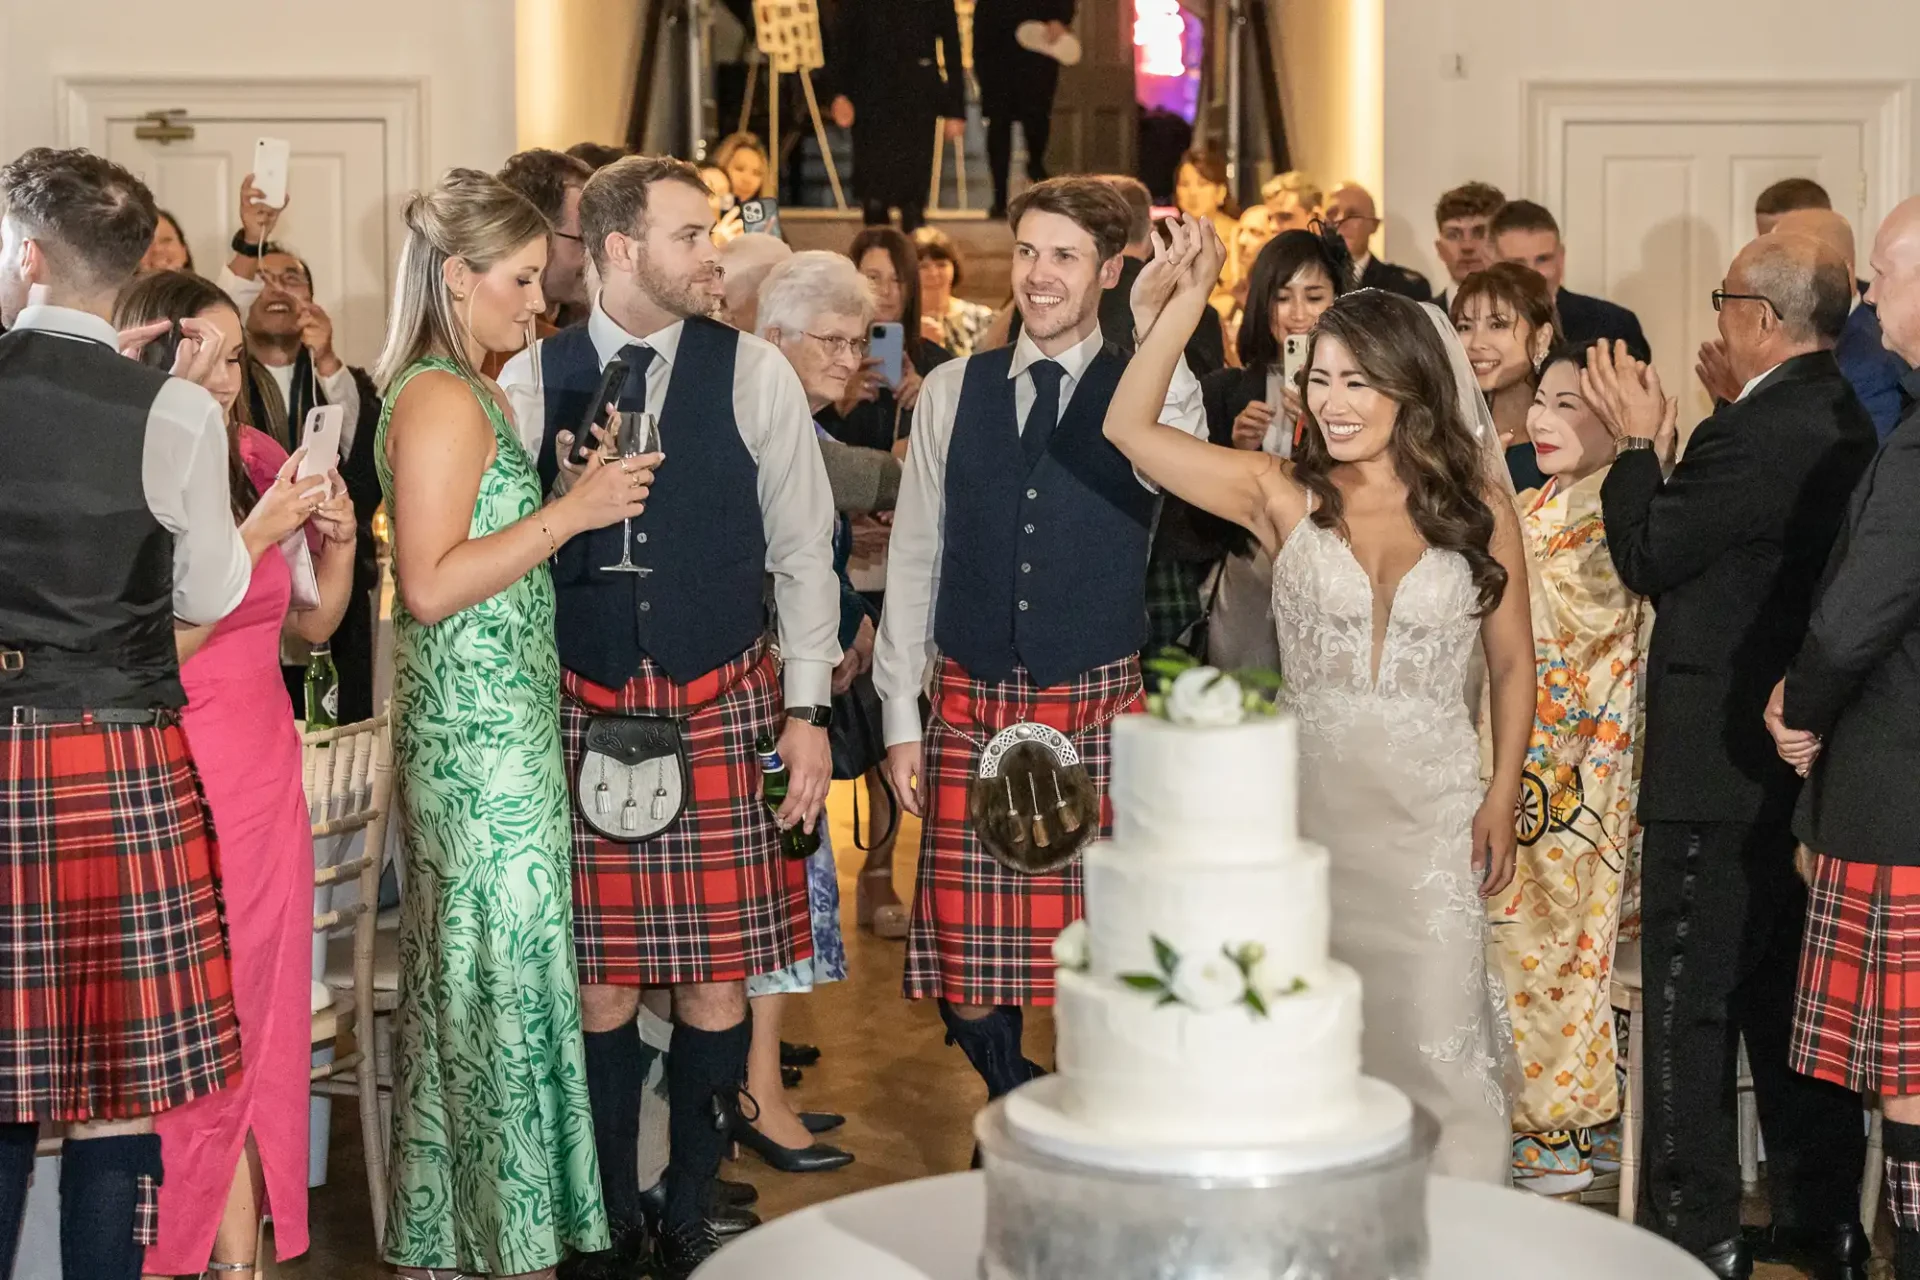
183	472
335	388
796	502
1755	381
904	651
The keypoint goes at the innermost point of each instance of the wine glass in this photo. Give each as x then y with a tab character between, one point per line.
639	433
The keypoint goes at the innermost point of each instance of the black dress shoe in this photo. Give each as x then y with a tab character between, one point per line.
1729	1260
679	1253
790	1077
1825	1253
727	1218
630	1255
821	1121
798	1055
738	1194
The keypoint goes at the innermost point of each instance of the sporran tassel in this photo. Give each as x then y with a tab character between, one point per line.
1040	836
1069	820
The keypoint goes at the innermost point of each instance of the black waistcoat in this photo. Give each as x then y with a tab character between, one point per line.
1042	567
86	572
703	604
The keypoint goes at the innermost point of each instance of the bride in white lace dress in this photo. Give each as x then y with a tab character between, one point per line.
1397	561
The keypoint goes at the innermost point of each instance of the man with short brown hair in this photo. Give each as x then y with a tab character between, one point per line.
1015	593
553	181
115	520
1465	245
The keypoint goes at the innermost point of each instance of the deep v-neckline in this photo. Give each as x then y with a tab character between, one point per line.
1378	629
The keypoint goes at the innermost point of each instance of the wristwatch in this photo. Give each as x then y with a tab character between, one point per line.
240	245
1629	443
818	717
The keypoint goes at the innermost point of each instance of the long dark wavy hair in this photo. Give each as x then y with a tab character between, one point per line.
181	295
1434	452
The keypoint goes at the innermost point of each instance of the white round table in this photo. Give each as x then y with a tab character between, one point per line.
930	1229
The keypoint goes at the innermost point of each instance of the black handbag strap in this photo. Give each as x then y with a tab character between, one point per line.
893	814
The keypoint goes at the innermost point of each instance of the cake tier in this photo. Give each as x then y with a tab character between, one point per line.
1135	1068
1228	792
1197	902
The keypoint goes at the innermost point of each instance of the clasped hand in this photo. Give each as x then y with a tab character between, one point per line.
1177	281
1798	747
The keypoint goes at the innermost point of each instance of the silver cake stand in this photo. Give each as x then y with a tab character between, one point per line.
1048	1218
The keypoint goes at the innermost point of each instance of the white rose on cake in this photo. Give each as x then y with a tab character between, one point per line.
1208	983
1070	946
1204	698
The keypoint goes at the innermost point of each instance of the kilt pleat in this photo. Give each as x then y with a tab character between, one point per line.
711	899
1856	1017
980	933
116	999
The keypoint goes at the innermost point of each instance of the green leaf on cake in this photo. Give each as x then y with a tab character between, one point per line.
1164	955
1255	1003
1147	982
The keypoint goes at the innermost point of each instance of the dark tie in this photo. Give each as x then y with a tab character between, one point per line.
1045	413
633	396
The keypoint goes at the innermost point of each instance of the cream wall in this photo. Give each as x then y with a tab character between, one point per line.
1443	127
1331	57
462	49
575	74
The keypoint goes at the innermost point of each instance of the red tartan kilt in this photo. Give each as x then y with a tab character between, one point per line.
980	933
711	899
1856	1016
118	1001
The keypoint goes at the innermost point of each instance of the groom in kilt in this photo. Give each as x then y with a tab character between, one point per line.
1016	592
708	901
115	520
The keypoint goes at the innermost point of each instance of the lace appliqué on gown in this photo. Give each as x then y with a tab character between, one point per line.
1390	782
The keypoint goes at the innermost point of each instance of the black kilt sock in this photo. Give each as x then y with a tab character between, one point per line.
705	1072
16	1175
615	1075
107	1190
1902	1145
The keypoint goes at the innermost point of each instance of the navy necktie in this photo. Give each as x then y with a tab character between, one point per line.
1045	414
633	396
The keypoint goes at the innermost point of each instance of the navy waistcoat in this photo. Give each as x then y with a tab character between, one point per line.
701	533
1042	567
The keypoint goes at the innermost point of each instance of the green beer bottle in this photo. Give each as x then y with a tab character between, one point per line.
795	842
323	689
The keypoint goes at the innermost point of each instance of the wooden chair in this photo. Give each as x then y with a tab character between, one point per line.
348	774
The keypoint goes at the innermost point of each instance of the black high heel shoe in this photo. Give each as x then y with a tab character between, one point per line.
798	1055
818	1158
821	1121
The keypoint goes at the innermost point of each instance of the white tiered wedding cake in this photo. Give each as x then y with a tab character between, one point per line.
1201	1025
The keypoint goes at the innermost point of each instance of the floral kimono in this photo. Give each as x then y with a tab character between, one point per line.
1575	885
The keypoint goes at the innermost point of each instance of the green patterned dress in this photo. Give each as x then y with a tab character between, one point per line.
493	1166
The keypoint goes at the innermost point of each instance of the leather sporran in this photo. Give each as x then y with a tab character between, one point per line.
1031	803
632	780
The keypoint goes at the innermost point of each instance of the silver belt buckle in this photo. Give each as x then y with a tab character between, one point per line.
12	662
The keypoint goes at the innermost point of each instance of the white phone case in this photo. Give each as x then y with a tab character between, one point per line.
270	159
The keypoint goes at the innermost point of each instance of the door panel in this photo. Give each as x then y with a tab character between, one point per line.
1653	213
336	217
1094	114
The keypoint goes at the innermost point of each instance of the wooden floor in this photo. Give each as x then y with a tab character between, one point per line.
908	1098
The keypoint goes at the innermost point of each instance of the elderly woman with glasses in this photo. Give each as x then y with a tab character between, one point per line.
816	308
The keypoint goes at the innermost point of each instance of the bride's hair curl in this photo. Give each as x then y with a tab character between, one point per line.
1434	450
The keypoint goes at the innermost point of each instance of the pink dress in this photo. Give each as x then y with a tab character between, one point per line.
239	726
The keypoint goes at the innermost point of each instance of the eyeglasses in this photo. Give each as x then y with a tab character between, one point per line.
286	281
855	347
1722	297
568	235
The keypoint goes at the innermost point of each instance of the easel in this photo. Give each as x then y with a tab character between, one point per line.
787	33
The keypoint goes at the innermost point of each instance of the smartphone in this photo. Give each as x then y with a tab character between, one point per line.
887	344
1293	357
612	379
321	436
760	216
270	159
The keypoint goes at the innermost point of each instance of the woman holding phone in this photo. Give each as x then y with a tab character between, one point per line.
1295	277
235	1156
877	412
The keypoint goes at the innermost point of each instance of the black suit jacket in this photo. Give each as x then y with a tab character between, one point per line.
1585	321
1014	81
1396	279
1731	547
1857	679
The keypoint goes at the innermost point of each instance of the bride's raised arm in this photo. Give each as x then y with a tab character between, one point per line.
1250	488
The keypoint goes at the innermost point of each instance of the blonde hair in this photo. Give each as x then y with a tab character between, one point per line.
1294	182
471	216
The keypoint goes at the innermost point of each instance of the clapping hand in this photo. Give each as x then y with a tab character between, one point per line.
1627	397
1715	372
1798	747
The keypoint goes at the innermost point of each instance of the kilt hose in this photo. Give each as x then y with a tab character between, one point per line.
980	933
116	999
1856	1014
710	899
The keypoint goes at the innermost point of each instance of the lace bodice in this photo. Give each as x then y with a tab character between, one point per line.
1323	612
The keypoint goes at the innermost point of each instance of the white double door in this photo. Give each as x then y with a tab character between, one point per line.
1653	212
336	218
